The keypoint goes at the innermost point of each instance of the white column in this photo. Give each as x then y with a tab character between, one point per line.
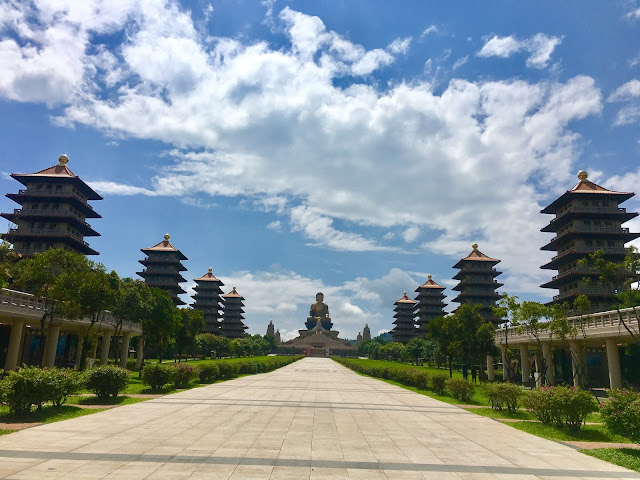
93	354
524	363
491	374
50	346
578	364
124	349
104	348
79	350
505	364
547	353
613	359
15	340
140	353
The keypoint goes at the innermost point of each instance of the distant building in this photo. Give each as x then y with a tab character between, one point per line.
53	213
232	326
277	337
587	218
271	329
430	304
359	339
163	266
208	300
404	322
366	333
477	284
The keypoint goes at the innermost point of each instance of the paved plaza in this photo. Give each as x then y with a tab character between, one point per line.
313	419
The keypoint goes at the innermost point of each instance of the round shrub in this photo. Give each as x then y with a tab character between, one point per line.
132	364
504	396
460	389
228	369
182	374
208	372
562	406
107	380
621	413
62	382
157	375
23	388
439	383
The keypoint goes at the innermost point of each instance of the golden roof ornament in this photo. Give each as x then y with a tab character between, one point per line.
166	237
210	270
429	276
474	246
63	159
583	175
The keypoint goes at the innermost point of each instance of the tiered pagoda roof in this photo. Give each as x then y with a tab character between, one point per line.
477	285
404	329
54	211
208	300
232	325
163	266
588	218
429	304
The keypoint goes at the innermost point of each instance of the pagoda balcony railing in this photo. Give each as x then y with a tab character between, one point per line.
164	283
590	229
574	270
585	290
478	279
595	325
57	232
162	259
161	271
15	303
51	193
587	209
49	213
590	249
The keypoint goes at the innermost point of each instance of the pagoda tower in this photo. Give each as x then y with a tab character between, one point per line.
207	299
53	213
430	304
163	266
366	333
271	329
587	219
477	284
404	329
232	326
277	337
359	339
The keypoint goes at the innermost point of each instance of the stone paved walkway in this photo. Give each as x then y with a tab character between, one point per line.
313	419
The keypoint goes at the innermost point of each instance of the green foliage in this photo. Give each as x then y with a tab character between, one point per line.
182	374
439	383
504	396
23	388
460	389
106	380
209	344
208	372
416	378
621	413
417	348
561	406
157	375
228	369
188	323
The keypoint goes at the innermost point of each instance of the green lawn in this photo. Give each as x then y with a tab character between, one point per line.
625	457
491	413
48	414
4	432
119	400
588	433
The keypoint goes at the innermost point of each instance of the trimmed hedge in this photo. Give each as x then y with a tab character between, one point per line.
157	375
561	406
460	389
182	374
106	380
621	413
504	396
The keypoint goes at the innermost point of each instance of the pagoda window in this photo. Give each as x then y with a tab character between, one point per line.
599	243
55	206
38	246
45	206
587	222
589	242
31	225
596	222
58	188
49	187
39	186
585	203
52	226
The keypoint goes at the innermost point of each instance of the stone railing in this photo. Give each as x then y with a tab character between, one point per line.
23	304
593	326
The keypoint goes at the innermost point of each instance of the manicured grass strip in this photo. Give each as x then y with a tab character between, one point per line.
5	432
625	457
588	433
48	414
119	400
491	413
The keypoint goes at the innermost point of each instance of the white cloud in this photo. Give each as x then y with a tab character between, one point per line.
254	122
400	45
634	61
113	188
625	92
633	14
627	115
276	226
411	234
428	30
539	46
460	62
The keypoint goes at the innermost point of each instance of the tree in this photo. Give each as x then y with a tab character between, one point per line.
159	325
97	294
8	258
417	348
54	277
133	304
189	323
440	331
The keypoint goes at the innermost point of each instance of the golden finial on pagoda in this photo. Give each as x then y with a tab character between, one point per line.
63	159
583	175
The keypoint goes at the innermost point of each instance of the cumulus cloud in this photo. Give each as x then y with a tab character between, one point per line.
628	92
633	14
540	48
276	226
400	45
256	122
411	234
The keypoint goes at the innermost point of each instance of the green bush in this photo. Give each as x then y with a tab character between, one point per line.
107	380
23	388
562	406
621	413
416	378
208	372
504	396
132	364
61	383
157	375
228	369
182	374
460	389
439	383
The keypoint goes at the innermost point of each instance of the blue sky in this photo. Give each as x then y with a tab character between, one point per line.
344	147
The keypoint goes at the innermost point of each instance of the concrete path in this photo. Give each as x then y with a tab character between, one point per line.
313	419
